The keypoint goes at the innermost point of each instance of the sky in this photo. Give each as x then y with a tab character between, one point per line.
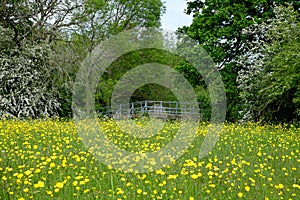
175	16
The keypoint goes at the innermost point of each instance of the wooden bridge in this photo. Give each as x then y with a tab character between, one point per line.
156	109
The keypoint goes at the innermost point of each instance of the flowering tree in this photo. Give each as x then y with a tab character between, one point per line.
43	43
269	80
27	87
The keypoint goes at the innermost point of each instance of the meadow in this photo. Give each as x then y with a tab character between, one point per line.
46	159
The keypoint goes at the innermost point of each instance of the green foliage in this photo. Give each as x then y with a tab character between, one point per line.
270	83
68	31
281	87
129	61
219	27
105	19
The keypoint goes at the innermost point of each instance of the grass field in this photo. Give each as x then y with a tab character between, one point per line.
46	159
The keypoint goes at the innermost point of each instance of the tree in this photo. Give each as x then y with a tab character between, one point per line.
31	79
27	80
35	20
218	26
50	38
270	80
107	18
134	59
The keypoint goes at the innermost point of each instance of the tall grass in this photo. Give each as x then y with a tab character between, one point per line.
46	159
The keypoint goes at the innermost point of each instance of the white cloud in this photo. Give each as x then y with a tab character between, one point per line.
175	16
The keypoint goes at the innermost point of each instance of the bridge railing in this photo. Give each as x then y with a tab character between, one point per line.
158	109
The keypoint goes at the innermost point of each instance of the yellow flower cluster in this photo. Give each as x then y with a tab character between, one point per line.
48	159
